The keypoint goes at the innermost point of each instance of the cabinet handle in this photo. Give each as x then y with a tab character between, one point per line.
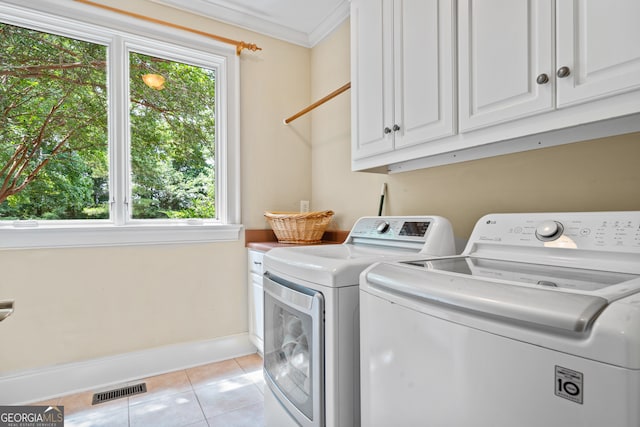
542	79
563	72
387	130
396	128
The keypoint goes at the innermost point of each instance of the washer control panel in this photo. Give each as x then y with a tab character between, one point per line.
615	231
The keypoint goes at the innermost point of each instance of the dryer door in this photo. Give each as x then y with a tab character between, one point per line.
294	348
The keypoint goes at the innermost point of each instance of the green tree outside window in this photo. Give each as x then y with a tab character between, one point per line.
54	140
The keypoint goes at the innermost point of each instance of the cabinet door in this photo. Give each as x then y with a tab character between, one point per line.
600	43
371	77
257	298
504	45
424	71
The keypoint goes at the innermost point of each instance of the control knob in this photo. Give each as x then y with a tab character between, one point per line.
549	230
383	227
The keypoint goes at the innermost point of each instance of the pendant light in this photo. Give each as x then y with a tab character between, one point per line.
154	81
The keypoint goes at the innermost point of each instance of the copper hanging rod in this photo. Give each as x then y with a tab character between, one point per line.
240	45
318	103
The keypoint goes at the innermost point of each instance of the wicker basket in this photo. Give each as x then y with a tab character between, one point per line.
299	227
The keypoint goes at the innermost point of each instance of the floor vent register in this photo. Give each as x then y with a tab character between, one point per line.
106	396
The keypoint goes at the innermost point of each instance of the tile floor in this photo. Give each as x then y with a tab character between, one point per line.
227	393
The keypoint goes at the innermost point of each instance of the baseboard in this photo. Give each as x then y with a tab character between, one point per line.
40	384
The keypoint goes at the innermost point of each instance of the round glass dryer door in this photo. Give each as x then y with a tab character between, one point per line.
293	351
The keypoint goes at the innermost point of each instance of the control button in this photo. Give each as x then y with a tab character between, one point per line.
549	230
383	227
517	230
585	231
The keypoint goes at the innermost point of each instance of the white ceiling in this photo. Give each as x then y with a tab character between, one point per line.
303	22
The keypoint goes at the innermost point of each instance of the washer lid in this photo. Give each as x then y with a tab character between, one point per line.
558	297
525	273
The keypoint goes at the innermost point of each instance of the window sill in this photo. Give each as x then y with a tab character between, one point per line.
61	236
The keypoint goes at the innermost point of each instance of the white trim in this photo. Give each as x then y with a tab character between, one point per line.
585	132
13	237
53	381
329	25
238	16
62	11
248	19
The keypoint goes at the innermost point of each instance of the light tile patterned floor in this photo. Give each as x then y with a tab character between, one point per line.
227	393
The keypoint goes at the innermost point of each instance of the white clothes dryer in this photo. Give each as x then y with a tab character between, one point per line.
536	323
311	360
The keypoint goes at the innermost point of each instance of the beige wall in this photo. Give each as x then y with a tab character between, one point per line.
585	176
78	304
350	195
83	303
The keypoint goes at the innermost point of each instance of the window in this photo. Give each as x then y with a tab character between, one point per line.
129	134
172	127
53	129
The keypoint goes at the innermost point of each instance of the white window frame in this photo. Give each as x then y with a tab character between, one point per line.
123	34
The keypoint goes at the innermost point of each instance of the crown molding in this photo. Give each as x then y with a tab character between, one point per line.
327	26
248	19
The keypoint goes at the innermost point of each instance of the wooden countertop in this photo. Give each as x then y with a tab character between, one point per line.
264	240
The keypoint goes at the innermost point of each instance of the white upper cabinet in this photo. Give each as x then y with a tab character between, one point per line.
599	43
511	66
424	71
402	73
505	60
371	73
436	82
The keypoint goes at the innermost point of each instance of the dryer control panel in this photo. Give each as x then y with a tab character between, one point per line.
393	228
412	232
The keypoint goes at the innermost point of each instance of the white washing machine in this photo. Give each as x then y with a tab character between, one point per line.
536	323
311	360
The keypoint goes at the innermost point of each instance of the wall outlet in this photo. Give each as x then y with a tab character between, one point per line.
304	206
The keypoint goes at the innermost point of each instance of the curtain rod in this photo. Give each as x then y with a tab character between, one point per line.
240	45
317	103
